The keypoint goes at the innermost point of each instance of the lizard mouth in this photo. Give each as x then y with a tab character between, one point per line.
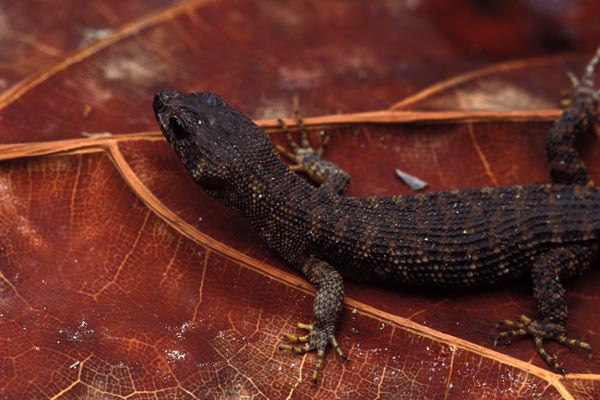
170	125
161	115
159	105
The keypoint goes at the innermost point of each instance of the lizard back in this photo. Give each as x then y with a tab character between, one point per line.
459	238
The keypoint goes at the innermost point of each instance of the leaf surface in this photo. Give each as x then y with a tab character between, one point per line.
120	278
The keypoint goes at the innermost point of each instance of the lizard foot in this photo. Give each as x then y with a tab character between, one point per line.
586	81
317	339
540	330
302	155
309	160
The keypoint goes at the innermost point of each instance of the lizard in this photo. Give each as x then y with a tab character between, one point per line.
466	238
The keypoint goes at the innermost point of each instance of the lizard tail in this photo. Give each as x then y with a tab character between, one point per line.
566	165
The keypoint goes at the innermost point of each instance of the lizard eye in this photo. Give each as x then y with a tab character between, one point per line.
177	127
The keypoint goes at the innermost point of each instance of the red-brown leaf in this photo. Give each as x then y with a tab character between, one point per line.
119	278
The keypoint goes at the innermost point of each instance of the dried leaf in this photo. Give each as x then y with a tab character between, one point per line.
121	278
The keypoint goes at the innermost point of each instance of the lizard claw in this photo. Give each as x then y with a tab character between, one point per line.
573	78
317	339
586	81
597	123
566	94
540	330
309	160
302	154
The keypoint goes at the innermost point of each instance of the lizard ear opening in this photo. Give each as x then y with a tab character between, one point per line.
177	127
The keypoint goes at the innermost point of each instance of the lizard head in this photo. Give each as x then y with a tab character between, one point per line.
211	139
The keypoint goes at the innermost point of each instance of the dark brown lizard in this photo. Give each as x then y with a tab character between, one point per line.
457	239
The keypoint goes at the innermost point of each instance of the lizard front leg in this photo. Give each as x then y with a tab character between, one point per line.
327	307
309	160
551	301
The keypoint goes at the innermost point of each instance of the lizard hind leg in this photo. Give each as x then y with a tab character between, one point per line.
588	75
565	162
566	94
587	80
551	302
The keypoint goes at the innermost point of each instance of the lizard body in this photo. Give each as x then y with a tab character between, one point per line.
461	238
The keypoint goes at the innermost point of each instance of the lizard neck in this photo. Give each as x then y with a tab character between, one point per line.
261	190
274	200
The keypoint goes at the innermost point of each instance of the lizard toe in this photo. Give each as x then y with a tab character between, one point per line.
540	331
317	339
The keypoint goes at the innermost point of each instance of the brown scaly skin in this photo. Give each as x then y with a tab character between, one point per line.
458	239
